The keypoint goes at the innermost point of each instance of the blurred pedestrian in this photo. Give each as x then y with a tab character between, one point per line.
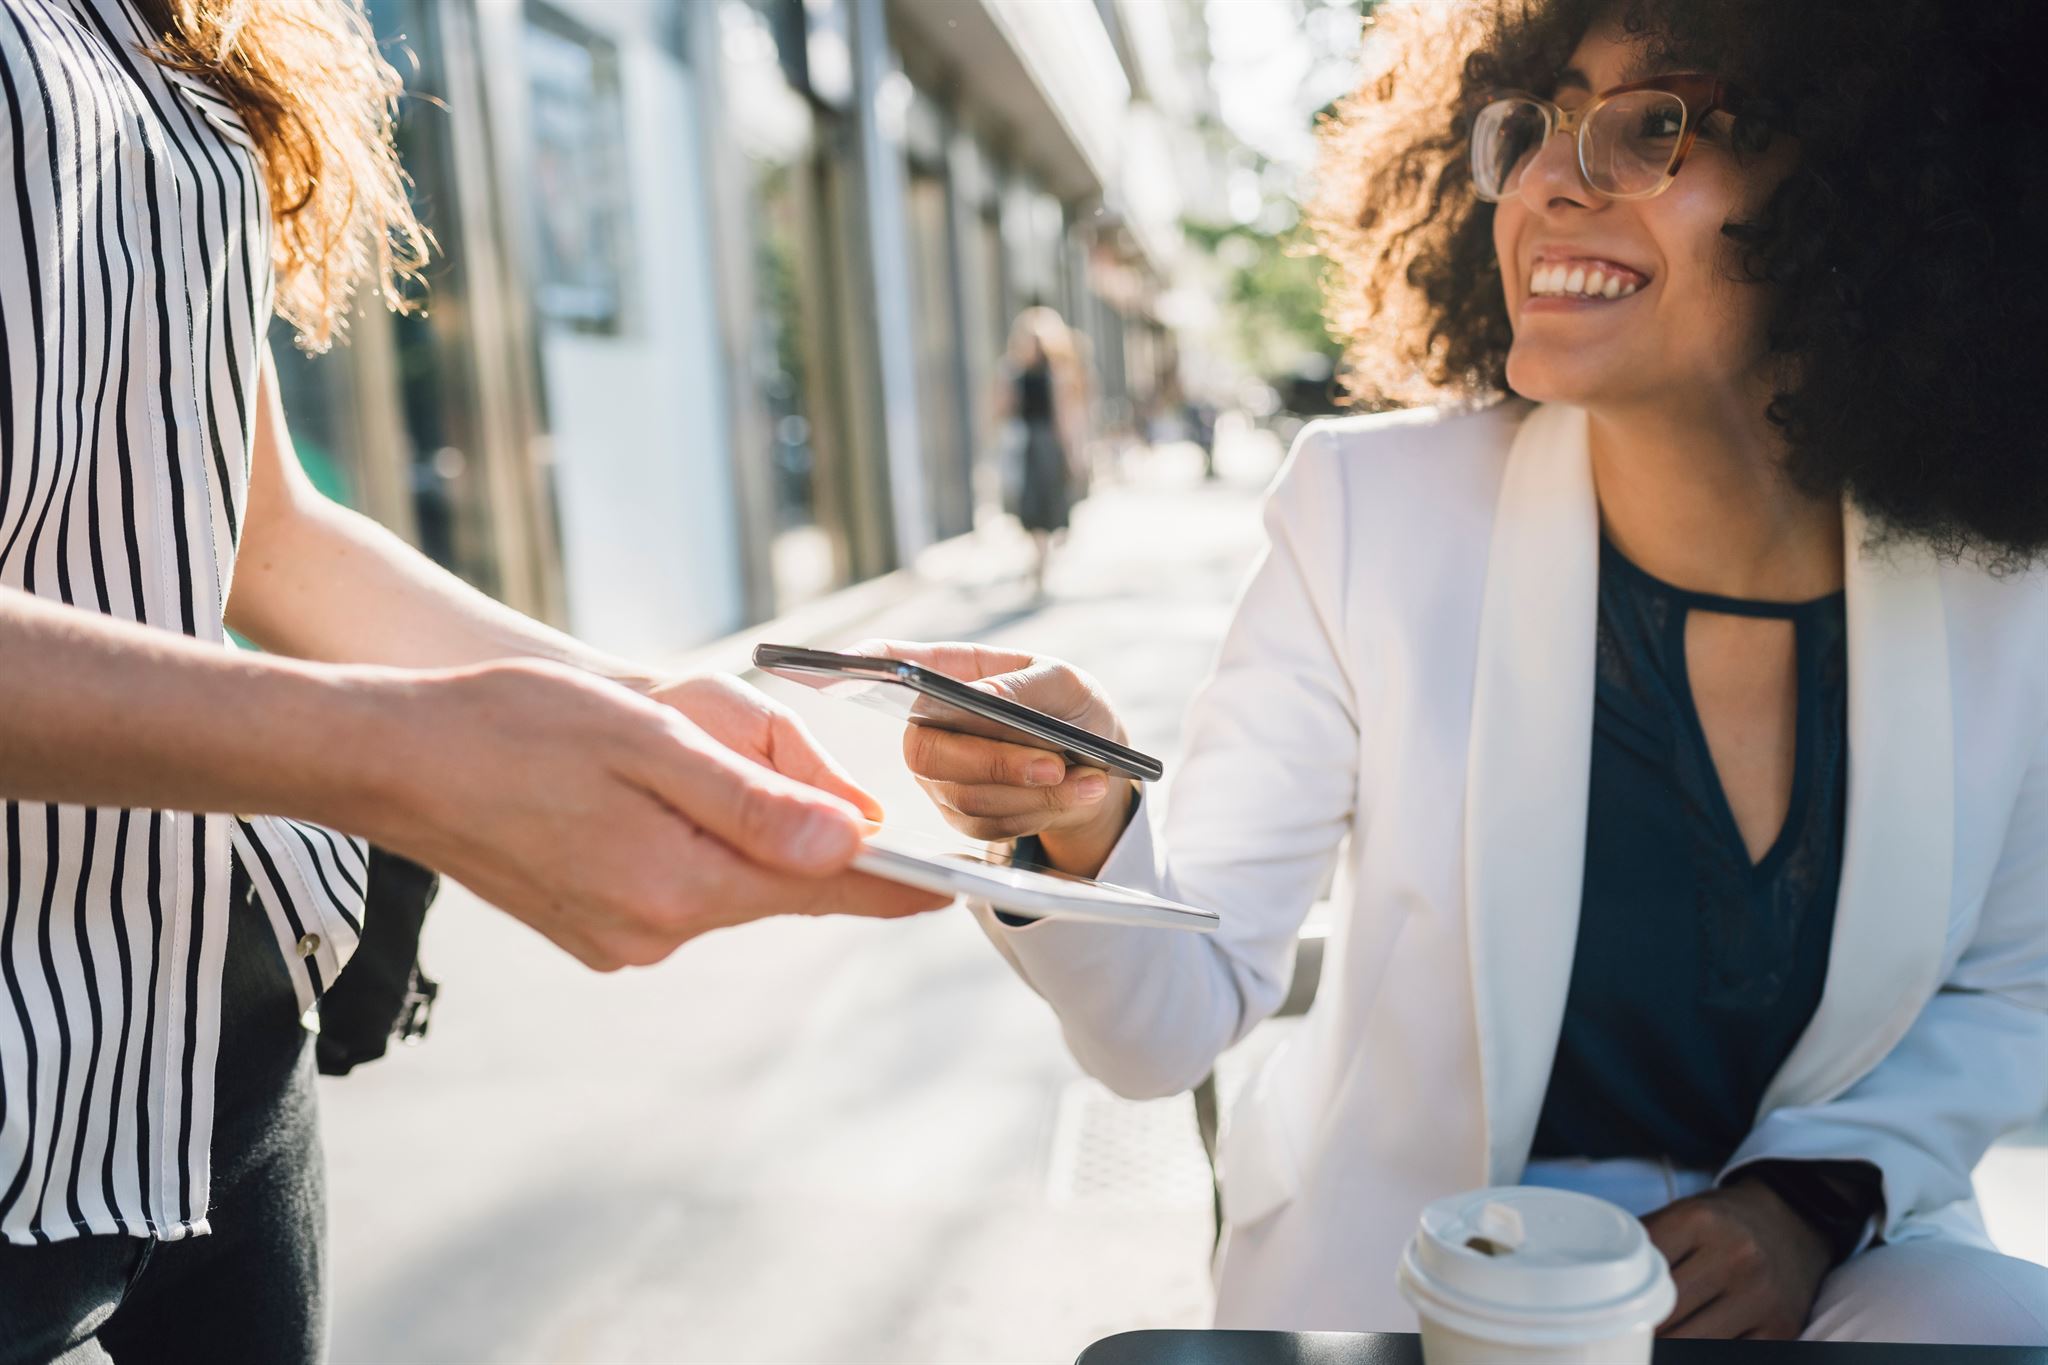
1044	400
179	170
1668	701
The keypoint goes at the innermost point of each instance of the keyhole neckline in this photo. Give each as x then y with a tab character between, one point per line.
1807	620
1612	557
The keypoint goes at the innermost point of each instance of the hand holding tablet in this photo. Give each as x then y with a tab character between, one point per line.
983	722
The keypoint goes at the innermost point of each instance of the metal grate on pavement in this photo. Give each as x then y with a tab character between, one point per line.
1135	1155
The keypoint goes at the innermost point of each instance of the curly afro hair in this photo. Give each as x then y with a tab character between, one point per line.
1907	253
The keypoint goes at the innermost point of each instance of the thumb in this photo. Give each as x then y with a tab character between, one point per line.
1044	685
796	753
963	661
768	818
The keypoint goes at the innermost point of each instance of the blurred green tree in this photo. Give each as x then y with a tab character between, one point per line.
1266	270
1272	292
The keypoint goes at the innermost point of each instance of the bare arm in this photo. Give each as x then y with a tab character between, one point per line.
315	580
464	735
106	712
615	826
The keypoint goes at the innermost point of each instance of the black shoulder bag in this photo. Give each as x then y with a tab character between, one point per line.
382	993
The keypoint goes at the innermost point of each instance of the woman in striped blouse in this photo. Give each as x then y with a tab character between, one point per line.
178	171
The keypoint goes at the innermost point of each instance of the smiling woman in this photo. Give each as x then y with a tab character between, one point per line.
1569	684
1916	180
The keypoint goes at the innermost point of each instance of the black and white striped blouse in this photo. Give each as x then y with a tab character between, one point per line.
135	288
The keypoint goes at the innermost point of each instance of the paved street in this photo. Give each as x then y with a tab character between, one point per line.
803	1140
825	1141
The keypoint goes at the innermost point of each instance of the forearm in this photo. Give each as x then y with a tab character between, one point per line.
341	588
95	711
1145	1012
1837	1199
1970	1068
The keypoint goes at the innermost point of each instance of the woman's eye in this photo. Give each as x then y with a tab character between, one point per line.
1659	124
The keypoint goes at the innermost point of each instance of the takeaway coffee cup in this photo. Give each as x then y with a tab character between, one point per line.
1523	1276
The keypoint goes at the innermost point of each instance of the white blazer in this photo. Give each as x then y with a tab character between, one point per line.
1411	668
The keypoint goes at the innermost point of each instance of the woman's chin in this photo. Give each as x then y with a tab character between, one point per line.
1551	378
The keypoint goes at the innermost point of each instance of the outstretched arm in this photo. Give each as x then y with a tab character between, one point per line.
1265	796
615	826
480	743
315	580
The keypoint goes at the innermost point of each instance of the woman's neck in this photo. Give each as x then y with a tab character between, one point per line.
1699	499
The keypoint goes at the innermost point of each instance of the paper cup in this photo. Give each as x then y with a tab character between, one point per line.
1523	1276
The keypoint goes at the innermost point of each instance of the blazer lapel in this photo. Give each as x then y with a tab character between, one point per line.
1528	770
1891	915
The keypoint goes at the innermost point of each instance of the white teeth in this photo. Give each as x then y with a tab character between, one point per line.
1587	282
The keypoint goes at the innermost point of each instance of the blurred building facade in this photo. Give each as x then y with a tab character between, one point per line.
718	320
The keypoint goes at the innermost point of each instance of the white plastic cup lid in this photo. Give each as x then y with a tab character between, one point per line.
1527	1264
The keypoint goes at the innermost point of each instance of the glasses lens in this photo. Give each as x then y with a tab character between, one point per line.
1506	134
1626	148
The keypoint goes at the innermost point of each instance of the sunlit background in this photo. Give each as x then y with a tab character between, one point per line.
724	284
713	354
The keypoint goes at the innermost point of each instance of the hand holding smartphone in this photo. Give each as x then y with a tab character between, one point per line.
925	696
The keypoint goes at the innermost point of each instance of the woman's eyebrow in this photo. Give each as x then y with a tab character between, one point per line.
1643	66
1572	76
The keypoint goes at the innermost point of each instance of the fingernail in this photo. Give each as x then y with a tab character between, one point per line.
1045	772
1091	787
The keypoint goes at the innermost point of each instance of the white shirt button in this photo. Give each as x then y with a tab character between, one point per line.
309	945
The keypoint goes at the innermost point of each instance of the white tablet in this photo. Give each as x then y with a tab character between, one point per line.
1040	892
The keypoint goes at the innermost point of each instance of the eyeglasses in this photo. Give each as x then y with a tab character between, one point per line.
1631	139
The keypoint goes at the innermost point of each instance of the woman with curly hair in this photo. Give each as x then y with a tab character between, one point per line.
179	819
1670	697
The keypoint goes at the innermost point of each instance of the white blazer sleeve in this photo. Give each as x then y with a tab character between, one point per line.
1972	1067
1255	815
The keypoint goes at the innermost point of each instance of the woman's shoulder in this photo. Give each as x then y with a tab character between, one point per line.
1423	467
1996	620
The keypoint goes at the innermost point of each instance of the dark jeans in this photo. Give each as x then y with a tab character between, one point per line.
253	1290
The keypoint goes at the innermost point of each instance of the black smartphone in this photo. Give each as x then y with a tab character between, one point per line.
923	697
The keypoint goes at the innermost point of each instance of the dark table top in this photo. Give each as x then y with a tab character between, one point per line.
1349	1348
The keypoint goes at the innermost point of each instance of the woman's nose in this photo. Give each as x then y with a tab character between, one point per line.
1552	180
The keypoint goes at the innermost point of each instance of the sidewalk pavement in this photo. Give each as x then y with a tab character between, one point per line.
805	1140
830	1140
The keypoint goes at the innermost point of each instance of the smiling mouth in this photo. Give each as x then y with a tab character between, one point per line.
1583	280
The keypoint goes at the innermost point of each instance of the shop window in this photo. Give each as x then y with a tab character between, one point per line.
781	137
580	186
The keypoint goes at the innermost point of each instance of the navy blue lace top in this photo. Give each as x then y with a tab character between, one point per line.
1696	968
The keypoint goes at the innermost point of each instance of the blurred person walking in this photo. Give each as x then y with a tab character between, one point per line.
1045	400
178	172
